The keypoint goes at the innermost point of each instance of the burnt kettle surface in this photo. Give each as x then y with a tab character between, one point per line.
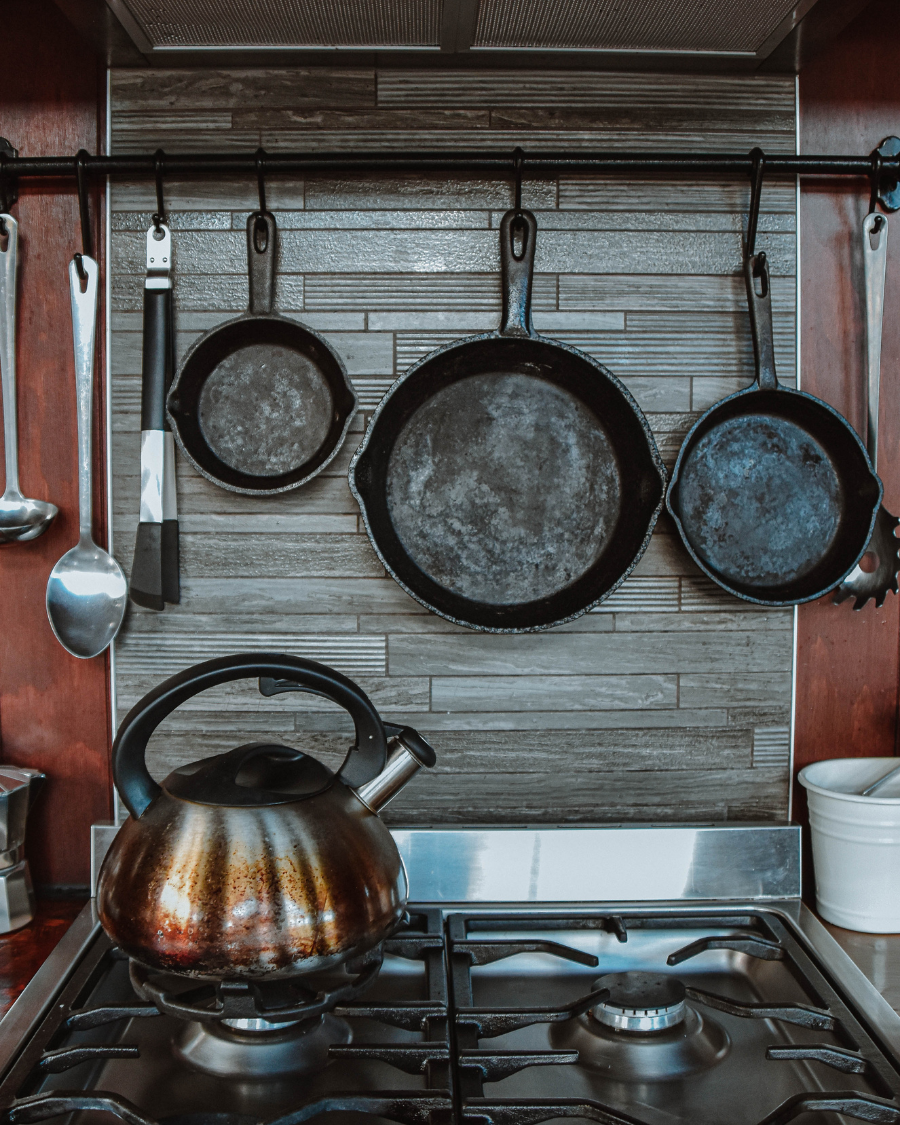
259	863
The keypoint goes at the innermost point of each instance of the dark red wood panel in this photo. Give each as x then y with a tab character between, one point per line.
54	708
24	951
847	674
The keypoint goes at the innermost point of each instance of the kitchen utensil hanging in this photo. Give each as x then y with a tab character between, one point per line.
87	591
154	571
883	546
261	403
772	492
509	482
20	517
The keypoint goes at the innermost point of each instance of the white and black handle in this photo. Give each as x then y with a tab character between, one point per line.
154	573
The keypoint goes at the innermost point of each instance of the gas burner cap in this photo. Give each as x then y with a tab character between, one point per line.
644	1002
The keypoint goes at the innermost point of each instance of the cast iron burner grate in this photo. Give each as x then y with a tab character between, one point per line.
450	1058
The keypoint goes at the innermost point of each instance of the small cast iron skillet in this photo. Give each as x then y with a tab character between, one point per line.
509	482
261	403
773	492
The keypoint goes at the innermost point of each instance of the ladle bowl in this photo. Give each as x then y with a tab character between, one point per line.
22	519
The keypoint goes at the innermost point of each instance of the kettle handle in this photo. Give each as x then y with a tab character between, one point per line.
365	760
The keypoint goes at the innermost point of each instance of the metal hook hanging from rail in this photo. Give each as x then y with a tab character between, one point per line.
4	194
84	210
159	216
756	178
261	179
875	179
518	163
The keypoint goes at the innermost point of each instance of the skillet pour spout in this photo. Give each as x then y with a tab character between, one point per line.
259	863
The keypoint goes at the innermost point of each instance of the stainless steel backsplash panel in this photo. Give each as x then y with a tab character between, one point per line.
672	703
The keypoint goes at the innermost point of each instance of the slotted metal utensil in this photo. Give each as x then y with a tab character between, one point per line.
883	544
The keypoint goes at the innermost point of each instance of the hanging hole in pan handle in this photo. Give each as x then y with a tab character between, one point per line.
760	275
518	238
260	235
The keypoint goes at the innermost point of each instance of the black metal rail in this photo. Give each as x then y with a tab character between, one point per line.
881	167
536	163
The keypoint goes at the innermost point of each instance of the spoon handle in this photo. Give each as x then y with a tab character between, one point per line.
8	265
84	326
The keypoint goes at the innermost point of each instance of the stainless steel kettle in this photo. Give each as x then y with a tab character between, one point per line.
259	863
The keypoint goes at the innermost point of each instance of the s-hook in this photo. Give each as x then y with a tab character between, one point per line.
261	227
518	162
759	159
84	210
261	178
159	216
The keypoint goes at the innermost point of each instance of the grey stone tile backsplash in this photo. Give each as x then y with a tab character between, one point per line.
672	701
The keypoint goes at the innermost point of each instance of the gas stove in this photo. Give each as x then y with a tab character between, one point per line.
713	1010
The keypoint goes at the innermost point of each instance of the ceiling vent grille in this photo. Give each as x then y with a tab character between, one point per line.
739	26
288	23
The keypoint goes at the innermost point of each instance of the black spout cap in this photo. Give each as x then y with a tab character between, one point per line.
417	746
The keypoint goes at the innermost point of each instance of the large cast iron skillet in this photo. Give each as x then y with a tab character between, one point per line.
773	492
509	482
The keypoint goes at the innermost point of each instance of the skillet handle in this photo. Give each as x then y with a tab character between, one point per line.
261	235
756	268
517	271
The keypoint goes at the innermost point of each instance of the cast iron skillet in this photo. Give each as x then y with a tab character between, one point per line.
509	482
261	404
773	492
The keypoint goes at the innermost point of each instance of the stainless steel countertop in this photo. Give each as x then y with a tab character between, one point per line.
876	955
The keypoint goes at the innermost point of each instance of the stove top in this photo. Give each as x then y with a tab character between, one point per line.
666	1013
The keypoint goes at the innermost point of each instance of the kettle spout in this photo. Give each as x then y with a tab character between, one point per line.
407	753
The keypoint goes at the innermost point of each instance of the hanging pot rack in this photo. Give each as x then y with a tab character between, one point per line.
881	167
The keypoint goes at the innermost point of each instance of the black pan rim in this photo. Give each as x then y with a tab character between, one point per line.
686	445
202	341
523	606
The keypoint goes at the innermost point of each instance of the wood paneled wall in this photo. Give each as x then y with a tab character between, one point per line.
54	709
847	674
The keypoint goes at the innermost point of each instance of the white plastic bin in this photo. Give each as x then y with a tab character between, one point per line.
856	843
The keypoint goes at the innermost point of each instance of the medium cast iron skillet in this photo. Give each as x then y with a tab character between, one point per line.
509	482
773	493
261	404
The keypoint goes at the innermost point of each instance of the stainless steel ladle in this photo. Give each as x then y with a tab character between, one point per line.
20	518
884	544
87	591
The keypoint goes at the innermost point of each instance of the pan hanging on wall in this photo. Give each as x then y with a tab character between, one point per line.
772	493
509	482
261	403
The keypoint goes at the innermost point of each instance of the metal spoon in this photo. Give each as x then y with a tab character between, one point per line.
20	518
87	591
883	545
